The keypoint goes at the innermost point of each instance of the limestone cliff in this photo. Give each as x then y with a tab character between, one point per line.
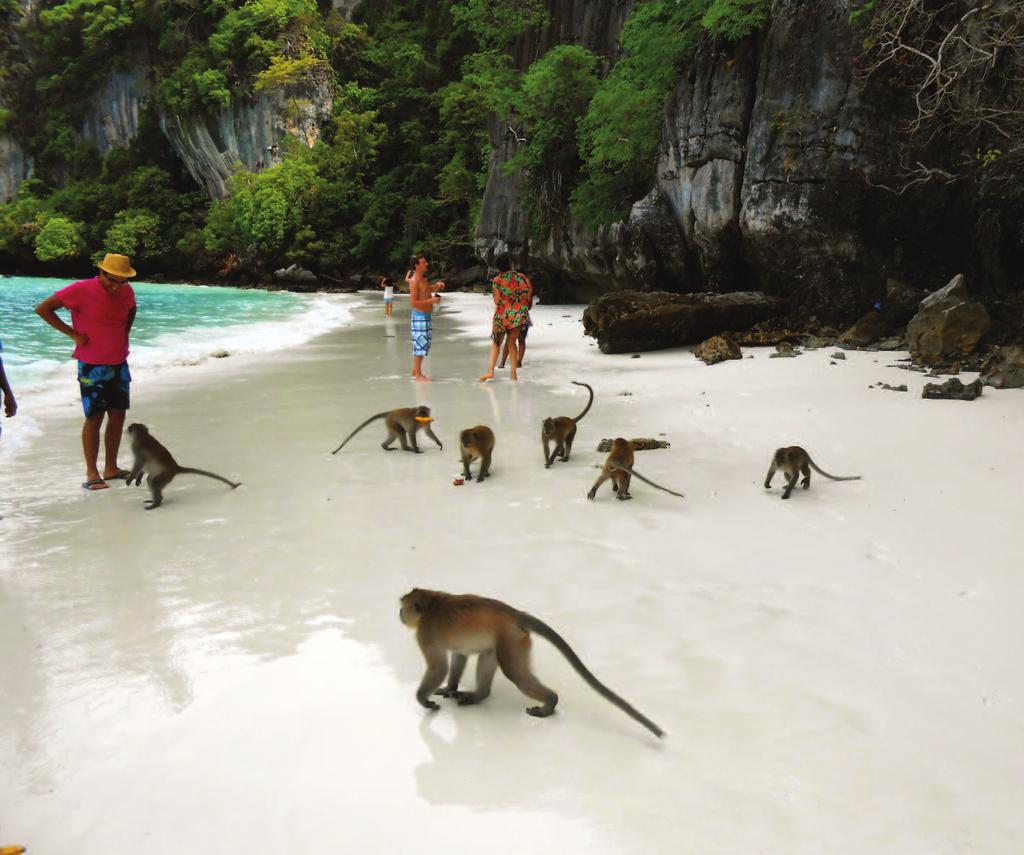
15	167
767	150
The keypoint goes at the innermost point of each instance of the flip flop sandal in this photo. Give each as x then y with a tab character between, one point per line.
95	484
121	474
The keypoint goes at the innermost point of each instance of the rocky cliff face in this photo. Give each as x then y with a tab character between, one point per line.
766	146
15	167
113	120
596	25
249	131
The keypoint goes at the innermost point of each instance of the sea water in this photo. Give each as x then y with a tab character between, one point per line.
176	326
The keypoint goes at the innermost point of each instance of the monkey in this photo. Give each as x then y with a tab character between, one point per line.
619	467
476	443
159	465
794	461
400	424
562	431
500	637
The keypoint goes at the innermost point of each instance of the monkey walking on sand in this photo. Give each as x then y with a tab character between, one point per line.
562	431
400	424
794	461
476	443
159	465
619	468
499	635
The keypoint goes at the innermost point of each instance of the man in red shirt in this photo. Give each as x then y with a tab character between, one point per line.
102	313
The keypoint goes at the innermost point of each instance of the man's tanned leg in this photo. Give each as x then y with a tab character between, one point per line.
112	442
91	445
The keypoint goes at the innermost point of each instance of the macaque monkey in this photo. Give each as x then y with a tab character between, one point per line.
159	465
562	431
400	424
619	467
794	461
499	635
476	443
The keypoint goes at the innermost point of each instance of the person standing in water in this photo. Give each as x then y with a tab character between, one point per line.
423	297
513	295
389	295
102	313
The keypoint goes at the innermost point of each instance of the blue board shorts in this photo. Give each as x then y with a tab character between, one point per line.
420	328
104	387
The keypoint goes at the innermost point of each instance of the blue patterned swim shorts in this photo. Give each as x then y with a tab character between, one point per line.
104	387
421	332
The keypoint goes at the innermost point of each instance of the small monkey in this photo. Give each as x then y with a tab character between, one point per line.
476	443
500	637
794	461
159	465
619	467
400	424
562	431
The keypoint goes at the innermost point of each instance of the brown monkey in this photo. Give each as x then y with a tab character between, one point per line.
794	461
476	443
500	637
159	465
619	467
562	431
400	424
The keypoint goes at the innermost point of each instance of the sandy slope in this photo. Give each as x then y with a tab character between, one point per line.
837	673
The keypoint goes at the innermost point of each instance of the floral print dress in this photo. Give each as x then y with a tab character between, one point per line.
513	309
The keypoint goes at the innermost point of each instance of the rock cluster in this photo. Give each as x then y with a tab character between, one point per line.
1005	368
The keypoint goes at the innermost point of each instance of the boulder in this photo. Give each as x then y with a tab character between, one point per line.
1005	368
717	349
625	321
867	330
952	390
947	324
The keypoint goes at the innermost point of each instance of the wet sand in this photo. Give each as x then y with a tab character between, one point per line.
228	674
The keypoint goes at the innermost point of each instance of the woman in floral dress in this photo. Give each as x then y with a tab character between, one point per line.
513	295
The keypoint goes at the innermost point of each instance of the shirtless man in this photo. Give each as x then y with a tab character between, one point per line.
422	298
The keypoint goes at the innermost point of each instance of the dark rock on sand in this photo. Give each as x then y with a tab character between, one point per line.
717	349
784	349
634	320
639	443
867	330
952	390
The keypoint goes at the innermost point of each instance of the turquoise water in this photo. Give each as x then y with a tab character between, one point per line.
176	325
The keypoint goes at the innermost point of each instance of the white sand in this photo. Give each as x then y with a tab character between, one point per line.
838	673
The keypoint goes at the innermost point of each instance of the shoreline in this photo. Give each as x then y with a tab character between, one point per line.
836	669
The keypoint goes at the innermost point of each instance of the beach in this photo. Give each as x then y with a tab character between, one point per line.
228	673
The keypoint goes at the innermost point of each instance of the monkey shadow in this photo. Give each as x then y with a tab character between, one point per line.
496	760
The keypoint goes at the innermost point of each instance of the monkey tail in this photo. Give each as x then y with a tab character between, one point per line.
833	477
528	621
645	480
364	424
189	469
586	409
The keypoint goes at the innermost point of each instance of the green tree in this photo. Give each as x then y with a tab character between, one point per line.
59	237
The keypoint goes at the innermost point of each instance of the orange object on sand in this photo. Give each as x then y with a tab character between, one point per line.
11	850
458	482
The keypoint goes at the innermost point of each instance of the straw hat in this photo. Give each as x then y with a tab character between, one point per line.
117	265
